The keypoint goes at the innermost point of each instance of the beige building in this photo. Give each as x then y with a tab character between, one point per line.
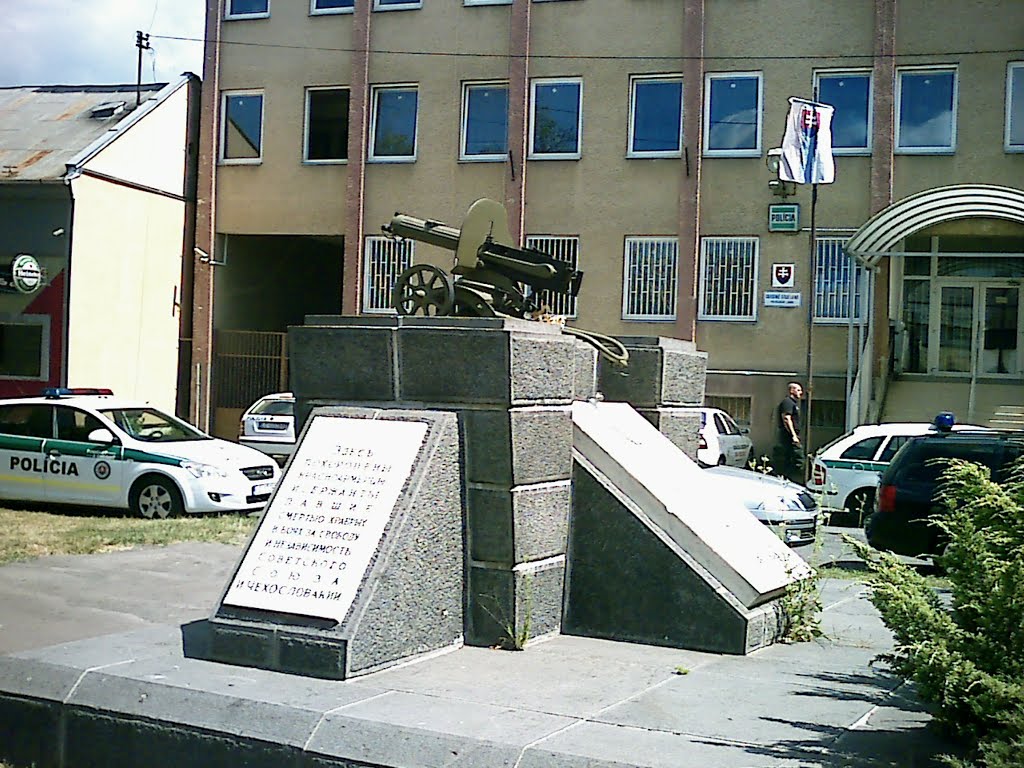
632	139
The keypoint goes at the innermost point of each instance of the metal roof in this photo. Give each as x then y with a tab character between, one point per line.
44	127
883	231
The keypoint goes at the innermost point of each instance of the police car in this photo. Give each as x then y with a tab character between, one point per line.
85	446
844	473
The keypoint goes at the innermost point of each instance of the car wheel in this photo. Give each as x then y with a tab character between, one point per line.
721	460
858	507
155	496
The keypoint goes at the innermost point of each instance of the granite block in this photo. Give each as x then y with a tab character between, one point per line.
584	384
661	371
516	525
542	368
684	375
510	605
541	444
345	365
453	366
487	439
681	426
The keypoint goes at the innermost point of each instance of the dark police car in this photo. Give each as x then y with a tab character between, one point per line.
907	490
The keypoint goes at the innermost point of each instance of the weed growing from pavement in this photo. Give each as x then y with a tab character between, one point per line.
26	534
516	635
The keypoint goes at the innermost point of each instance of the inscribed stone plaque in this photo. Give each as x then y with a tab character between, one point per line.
323	526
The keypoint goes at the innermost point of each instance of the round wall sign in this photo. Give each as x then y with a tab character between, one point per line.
26	276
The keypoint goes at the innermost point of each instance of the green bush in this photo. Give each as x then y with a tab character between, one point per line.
966	654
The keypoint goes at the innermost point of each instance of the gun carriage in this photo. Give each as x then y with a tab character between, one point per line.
491	276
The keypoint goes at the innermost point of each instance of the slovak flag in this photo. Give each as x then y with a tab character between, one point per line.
807	145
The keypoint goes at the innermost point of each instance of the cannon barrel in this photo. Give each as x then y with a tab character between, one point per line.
424	230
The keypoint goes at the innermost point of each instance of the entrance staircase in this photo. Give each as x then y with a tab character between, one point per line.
999	405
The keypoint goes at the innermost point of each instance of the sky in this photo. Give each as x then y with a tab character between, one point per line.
92	42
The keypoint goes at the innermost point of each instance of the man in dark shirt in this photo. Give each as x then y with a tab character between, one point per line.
789	449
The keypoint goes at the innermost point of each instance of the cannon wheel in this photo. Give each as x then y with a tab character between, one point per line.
423	289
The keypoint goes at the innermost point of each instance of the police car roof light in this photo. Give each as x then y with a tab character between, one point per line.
54	392
944	421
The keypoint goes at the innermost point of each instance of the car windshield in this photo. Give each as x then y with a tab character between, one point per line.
152	426
274	408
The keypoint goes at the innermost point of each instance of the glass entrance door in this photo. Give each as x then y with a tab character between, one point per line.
1000	338
956	328
979	330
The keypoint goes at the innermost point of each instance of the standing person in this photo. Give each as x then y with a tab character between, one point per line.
790	453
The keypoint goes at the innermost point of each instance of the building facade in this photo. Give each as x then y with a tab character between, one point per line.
633	139
97	188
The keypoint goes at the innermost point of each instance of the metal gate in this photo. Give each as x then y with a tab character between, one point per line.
248	365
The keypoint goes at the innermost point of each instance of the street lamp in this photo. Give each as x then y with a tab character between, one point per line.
778	187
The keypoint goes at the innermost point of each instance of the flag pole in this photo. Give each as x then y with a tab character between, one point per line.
810	332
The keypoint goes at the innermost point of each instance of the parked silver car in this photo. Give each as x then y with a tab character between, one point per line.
789	509
268	425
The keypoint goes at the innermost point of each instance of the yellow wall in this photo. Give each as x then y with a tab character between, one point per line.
125	272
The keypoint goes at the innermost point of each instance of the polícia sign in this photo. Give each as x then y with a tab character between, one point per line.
784	217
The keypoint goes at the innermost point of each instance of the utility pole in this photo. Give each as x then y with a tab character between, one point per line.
142	43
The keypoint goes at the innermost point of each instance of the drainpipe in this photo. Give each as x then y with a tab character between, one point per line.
355	181
518	125
205	229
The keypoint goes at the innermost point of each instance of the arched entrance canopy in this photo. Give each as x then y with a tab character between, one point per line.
882	232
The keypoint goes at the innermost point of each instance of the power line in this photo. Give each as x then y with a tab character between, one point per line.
637	57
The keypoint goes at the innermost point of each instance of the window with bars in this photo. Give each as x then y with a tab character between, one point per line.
564	248
728	278
834	272
828	413
650	278
737	406
384	260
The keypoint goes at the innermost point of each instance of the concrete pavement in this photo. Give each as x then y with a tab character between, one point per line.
94	667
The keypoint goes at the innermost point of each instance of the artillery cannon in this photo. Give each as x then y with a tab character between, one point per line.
491	275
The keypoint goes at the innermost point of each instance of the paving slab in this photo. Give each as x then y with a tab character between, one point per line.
111	676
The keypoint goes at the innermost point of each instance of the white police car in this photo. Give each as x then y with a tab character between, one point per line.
844	473
84	446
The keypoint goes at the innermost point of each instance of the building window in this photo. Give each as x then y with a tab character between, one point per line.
384	260
326	138
484	121
728	278
656	116
556	119
564	248
393	125
25	347
241	138
650	280
850	94
833	271
732	115
829	414
317	7
396	5
487	2
926	111
247	9
1015	106
737	406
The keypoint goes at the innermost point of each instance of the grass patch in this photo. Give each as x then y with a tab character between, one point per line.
27	534
931	576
